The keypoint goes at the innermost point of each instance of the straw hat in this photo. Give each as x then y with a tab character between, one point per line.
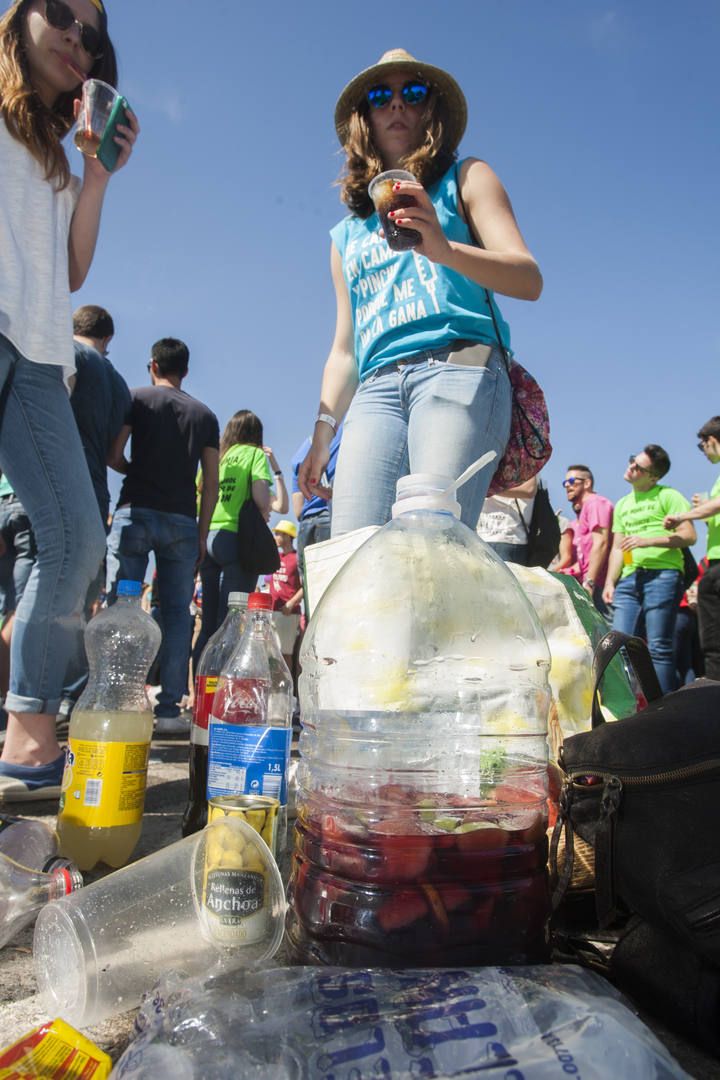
401	60
286	527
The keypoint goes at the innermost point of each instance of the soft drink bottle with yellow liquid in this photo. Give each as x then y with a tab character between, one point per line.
103	791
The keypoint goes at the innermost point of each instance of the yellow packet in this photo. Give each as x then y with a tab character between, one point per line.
54	1051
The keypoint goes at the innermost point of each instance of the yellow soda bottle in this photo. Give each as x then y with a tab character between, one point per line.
103	788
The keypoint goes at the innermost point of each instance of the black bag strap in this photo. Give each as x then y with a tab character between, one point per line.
491	306
640	661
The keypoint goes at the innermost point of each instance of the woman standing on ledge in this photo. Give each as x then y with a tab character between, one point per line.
415	361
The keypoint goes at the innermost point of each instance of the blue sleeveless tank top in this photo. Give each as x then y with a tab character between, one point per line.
404	304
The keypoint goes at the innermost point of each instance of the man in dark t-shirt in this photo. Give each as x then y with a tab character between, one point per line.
172	433
100	397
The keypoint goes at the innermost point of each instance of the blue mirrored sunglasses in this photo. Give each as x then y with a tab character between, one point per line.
413	92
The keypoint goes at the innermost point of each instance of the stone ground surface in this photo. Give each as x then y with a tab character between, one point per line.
21	1009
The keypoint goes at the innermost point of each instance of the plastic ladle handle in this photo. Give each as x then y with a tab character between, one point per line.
470	471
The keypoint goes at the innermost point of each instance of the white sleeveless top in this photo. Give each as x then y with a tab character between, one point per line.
35	308
500	522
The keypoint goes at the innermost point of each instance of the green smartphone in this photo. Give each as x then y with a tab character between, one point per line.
108	150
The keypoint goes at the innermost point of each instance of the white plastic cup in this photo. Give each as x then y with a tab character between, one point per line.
213	902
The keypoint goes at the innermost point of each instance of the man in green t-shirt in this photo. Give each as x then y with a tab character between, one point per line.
708	509
644	578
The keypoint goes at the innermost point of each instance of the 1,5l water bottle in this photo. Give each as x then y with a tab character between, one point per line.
215	654
103	790
251	718
422	785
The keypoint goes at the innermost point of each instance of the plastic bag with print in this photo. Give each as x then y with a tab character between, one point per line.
307	1023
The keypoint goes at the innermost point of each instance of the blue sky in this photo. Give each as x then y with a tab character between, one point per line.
601	119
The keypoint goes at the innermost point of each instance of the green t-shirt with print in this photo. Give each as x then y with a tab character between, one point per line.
713	523
641	513
239	468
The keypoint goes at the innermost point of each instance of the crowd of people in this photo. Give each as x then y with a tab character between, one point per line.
417	379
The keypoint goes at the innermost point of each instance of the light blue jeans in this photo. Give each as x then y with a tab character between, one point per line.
425	416
135	532
41	452
646	602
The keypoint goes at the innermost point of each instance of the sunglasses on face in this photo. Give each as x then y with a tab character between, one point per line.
571	481
640	468
701	444
61	17
413	92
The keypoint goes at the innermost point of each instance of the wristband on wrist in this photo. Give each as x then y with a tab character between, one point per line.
326	418
278	472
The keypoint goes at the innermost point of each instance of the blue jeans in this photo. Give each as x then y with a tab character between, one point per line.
41	453
653	595
427	416
19	556
220	574
312	530
135	532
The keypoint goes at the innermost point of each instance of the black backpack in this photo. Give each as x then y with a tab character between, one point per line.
543	532
645	792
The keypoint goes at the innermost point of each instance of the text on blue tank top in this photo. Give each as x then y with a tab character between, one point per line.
402	303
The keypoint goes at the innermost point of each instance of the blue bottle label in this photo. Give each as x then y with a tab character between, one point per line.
247	760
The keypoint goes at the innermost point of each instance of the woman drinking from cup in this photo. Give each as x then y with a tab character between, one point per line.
49	224
415	361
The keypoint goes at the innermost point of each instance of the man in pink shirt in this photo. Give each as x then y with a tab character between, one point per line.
593	535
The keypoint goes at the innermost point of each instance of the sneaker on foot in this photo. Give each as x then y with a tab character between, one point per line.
173	725
27	783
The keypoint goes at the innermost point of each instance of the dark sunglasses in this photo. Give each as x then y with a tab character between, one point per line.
413	92
571	481
640	468
61	17
701	444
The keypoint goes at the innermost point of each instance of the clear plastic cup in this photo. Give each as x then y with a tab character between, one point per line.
96	105
386	199
212	902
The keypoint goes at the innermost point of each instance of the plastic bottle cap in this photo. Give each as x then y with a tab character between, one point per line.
260	601
238	598
425	491
129	588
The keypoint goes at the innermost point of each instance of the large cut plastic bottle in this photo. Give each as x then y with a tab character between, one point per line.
103	790
215	654
251	718
422	785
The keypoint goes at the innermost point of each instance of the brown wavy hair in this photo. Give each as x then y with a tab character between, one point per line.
28	120
244	428
427	162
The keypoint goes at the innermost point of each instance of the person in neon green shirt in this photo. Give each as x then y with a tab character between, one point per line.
247	471
644	578
708	509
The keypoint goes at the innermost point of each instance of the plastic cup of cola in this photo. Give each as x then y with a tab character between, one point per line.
96	105
213	902
386	199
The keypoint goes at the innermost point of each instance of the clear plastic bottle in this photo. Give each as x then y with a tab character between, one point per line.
251	719
422	784
31	843
103	791
215	654
24	891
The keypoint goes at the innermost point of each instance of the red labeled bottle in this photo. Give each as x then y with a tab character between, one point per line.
216	653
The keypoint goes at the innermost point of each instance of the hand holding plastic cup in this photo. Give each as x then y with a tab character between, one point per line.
96	105
385	199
